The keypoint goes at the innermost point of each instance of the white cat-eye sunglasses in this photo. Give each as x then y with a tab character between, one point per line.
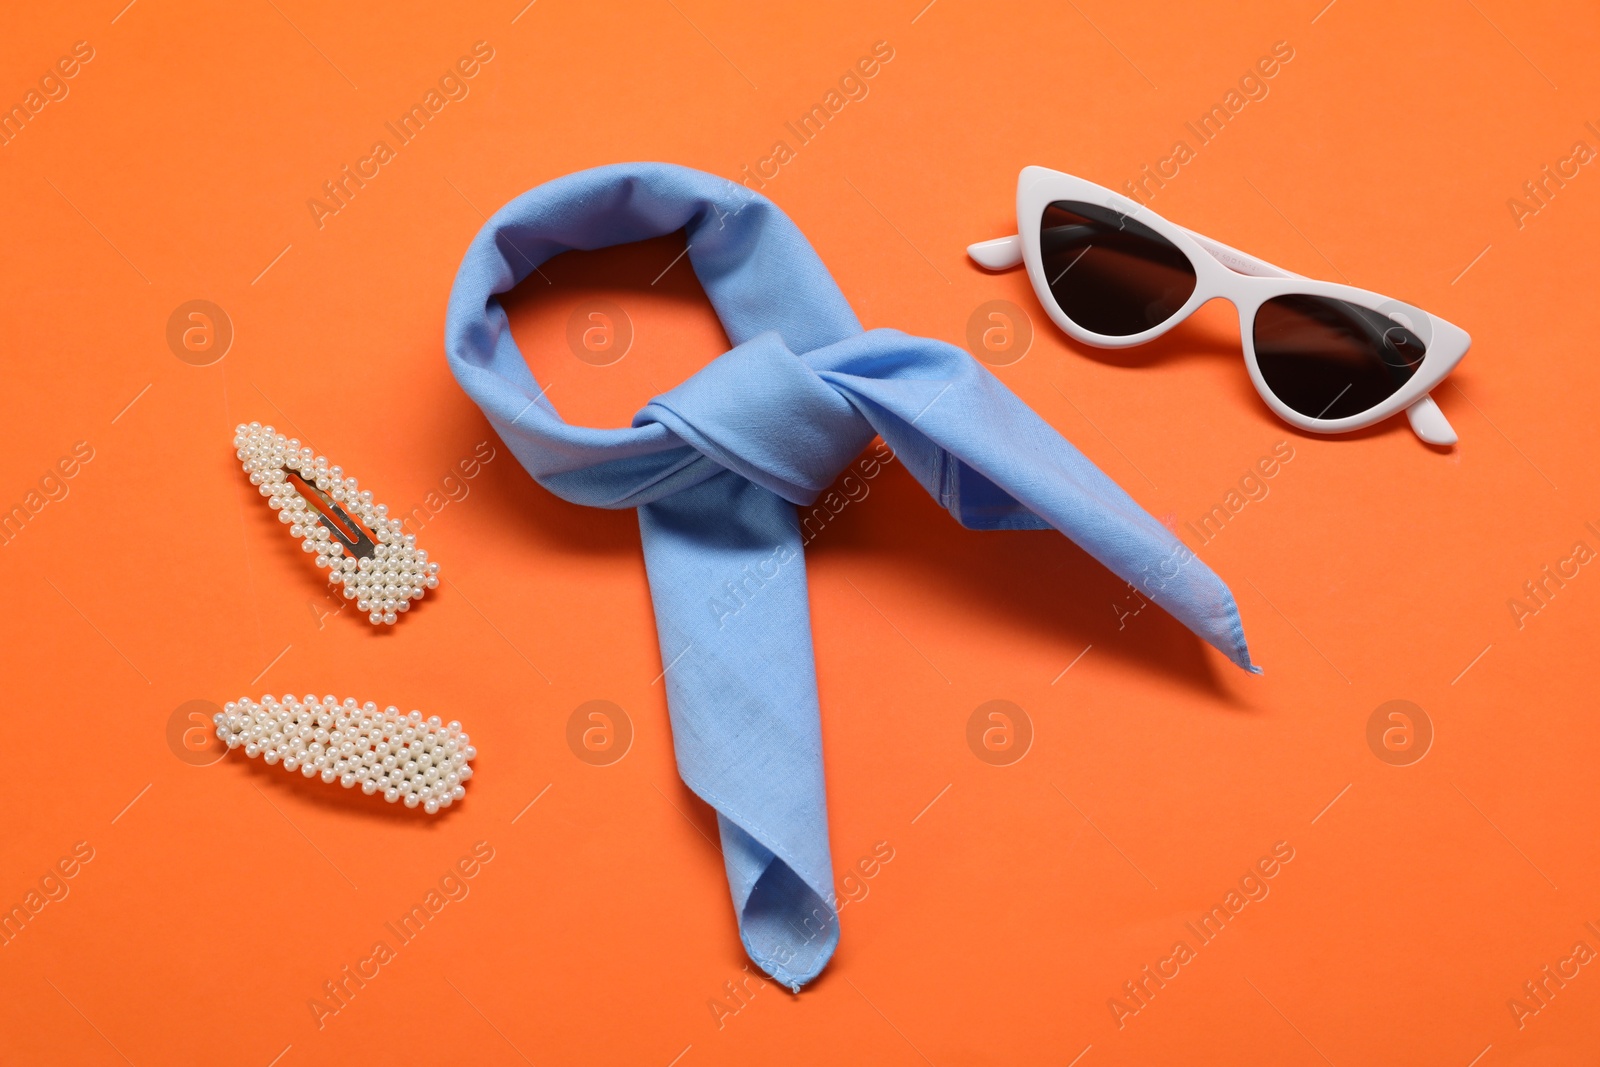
1325	357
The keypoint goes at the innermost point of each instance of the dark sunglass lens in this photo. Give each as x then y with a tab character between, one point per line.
1330	359
1110	273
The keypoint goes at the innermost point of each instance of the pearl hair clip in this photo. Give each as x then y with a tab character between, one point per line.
401	756
382	576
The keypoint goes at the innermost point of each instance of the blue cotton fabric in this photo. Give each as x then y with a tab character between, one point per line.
716	467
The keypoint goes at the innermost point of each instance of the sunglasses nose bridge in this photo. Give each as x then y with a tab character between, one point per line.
1226	295
1207	290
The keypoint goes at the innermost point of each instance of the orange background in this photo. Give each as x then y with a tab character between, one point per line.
221	896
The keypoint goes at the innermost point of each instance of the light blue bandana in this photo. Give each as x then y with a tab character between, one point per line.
716	467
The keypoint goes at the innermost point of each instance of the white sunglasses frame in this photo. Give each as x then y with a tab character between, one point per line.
1244	281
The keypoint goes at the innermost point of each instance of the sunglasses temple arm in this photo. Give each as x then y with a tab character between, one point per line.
1235	260
1429	423
1002	253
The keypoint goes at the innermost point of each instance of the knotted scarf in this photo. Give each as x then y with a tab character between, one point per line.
716	467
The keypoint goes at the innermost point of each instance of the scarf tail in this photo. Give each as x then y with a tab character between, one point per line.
728	584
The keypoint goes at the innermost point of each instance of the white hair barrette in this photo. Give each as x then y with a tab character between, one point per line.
383	573
404	757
